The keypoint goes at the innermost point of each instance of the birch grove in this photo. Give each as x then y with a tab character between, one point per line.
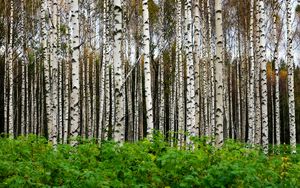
131	70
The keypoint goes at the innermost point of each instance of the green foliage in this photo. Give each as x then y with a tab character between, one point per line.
297	10
32	162
63	29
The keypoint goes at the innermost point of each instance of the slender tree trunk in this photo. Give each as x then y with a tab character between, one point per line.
205	85
190	125
257	80
54	61
197	66
290	62
238	101
66	112
74	104
251	115
119	134
47	78
162	98
23	104
219	74
212	76
264	104
180	74
147	68
10	74
277	100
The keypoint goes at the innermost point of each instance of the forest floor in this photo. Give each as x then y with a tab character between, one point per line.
32	162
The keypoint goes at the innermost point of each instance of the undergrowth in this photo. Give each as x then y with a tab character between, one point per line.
32	162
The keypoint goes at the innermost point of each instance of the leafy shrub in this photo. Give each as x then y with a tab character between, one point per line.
32	162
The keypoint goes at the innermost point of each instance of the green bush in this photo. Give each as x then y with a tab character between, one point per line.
32	162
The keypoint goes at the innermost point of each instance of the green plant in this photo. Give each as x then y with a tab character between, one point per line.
32	162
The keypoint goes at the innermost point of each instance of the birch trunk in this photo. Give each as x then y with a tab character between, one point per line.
219	74
290	62
104	95
10	74
74	104
162	98
54	61
66	112
197	62
264	102
119	134
147	68
238	101
190	125
23	104
6	84
180	74
257	80
212	75
205	85
251	115
46	66
277	100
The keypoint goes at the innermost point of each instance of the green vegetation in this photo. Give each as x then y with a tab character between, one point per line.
32	162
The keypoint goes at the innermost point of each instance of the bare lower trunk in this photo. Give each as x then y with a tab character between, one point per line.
147	68
290	62
74	103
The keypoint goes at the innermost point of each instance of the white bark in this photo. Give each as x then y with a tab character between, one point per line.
6	64
257	80
23	104
205	68
180	74
147	68
104	100
212	75
290	62
46	66
190	75
264	101
219	74
238	101
251	114
67	86
162	98
10	74
74	104
276	63
119	133
54	61
197	64
190	122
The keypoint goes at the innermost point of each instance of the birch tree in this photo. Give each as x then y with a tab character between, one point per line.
290	63
257	79
197	62
219	74
119	132
205	85
212	119
10	74
147	68
251	109
74	103
54	76
23	103
180	73
277	102
264	97
190	125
